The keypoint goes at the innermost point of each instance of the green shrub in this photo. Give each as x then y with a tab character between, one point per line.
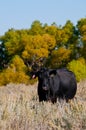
79	68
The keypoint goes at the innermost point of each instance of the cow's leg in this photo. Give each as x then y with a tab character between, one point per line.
54	99
42	97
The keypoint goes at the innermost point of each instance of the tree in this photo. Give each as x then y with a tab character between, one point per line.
15	73
51	29
38	47
13	43
3	55
81	25
36	28
59	58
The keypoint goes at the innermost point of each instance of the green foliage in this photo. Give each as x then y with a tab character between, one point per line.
52	30
64	35
56	44
11	41
36	28
79	68
81	25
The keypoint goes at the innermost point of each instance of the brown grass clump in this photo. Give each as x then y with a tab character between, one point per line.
21	110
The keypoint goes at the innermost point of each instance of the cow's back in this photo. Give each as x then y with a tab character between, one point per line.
68	84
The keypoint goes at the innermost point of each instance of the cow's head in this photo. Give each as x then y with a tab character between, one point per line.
44	76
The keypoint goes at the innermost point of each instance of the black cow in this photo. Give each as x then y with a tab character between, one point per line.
55	83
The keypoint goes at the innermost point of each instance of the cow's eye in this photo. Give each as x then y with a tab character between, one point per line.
40	75
48	78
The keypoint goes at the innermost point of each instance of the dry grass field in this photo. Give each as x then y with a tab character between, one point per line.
21	110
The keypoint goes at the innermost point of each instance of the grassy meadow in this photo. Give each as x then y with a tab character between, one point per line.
21	110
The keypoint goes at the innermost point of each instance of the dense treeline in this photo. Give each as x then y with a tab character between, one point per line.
47	45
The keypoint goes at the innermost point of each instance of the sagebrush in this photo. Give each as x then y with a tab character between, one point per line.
21	110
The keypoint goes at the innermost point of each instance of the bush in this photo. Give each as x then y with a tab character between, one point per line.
79	68
9	75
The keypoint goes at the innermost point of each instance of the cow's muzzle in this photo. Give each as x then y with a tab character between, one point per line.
45	88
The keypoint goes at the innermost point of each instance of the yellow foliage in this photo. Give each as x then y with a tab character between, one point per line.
42	52
25	54
15	73
63	53
49	41
1	79
78	68
51	30
62	36
17	63
10	75
84	38
83	29
21	77
38	46
82	60
60	57
7	76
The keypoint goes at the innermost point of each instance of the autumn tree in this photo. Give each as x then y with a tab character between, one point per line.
36	28
38	47
52	29
59	58
2	57
15	73
58	45
81	25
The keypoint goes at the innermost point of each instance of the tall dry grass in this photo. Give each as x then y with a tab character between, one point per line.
21	110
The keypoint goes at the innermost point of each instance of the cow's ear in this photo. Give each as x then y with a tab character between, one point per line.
52	73
33	76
